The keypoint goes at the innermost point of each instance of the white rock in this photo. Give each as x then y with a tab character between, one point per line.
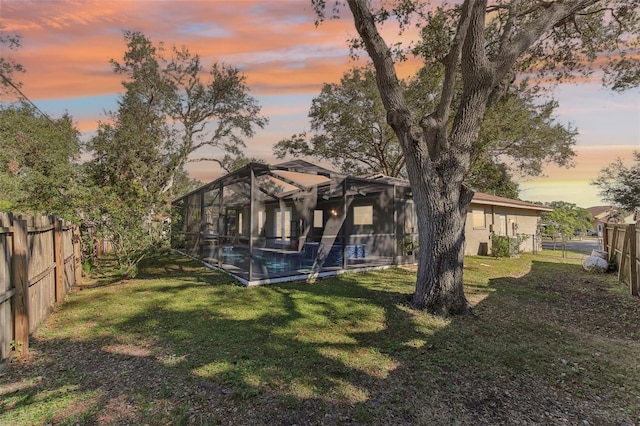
595	264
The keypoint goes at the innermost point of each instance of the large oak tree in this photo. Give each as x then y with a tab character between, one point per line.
482	51
349	129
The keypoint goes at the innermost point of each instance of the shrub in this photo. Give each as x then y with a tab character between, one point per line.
504	246
500	246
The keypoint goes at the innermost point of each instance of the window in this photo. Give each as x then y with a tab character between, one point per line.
282	223
479	218
318	221
502	224
363	215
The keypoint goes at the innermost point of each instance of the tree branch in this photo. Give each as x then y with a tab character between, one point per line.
555	13
398	114
434	125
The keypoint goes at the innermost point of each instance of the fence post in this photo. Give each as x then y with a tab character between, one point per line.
622	261
58	255
77	261
613	242
20	276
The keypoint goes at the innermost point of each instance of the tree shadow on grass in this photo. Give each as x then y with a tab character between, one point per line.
192	349
105	274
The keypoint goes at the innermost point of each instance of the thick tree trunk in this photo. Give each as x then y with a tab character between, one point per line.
436	169
439	283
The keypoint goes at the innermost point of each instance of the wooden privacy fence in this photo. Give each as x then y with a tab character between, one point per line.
40	261
622	243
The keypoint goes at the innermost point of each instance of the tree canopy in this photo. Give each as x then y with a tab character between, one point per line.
620	184
38	154
173	111
565	220
37	162
349	129
9	67
479	47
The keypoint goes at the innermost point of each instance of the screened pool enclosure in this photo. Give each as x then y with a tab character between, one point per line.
269	223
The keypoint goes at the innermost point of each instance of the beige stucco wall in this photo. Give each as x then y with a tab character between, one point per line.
503	221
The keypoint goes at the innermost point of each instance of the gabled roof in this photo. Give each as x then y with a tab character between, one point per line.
599	212
609	213
386	179
488	199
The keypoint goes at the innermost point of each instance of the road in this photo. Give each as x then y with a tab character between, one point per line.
583	246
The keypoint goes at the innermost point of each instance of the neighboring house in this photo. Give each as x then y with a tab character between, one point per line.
267	223
601	215
492	215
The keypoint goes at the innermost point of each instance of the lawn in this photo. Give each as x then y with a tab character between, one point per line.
547	343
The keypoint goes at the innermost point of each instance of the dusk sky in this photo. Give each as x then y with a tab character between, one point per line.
67	45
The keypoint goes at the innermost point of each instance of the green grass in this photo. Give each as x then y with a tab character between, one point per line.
180	344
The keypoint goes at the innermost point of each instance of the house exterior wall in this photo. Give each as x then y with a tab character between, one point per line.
483	219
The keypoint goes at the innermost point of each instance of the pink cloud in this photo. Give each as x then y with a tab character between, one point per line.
67	44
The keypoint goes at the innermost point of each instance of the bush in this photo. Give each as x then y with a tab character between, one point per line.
408	244
504	246
500	246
